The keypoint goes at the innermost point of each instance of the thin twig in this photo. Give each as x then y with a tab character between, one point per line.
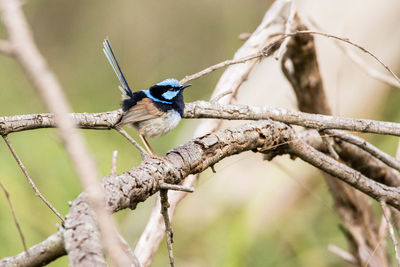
386	213
288	28
114	163
143	152
21	235
176	187
361	63
346	40
221	65
168	229
216	98
37	192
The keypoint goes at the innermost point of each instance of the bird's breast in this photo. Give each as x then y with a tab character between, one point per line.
159	126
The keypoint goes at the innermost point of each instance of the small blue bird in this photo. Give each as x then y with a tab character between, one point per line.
153	112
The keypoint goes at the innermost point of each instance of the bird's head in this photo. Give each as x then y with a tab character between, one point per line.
167	90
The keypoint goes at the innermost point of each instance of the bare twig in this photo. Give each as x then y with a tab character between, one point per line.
34	187
386	214
143	152
346	40
21	235
362	64
216	98
221	65
288	29
176	187
168	229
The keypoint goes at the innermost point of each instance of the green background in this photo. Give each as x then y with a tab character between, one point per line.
153	40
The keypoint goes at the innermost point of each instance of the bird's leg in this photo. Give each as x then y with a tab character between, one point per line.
143	152
148	147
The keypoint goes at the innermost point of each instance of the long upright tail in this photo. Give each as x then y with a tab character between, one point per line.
108	51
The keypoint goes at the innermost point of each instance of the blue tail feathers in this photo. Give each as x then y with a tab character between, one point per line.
109	52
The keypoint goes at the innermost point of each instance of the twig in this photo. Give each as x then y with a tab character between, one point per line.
216	98
176	187
6	47
362	64
288	28
343	254
143	152
168	229
37	192
21	235
361	143
114	163
346	40
221	65
386	213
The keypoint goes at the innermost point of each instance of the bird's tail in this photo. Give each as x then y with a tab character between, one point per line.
109	52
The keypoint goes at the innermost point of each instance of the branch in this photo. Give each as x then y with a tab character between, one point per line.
202	109
41	254
361	143
357	180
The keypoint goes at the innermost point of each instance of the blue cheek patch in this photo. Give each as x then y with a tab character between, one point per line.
170	94
147	93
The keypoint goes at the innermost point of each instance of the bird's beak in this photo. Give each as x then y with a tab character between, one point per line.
185	85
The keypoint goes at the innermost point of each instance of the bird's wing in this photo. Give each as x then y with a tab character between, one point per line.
112	59
143	110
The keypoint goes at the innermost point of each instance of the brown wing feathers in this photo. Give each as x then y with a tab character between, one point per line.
143	110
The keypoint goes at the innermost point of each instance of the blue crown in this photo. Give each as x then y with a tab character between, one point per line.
170	82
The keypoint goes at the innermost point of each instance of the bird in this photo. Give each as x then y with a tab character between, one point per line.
154	111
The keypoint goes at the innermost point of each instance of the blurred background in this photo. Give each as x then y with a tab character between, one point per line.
250	213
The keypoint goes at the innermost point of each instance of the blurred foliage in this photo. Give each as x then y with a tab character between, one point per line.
153	40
